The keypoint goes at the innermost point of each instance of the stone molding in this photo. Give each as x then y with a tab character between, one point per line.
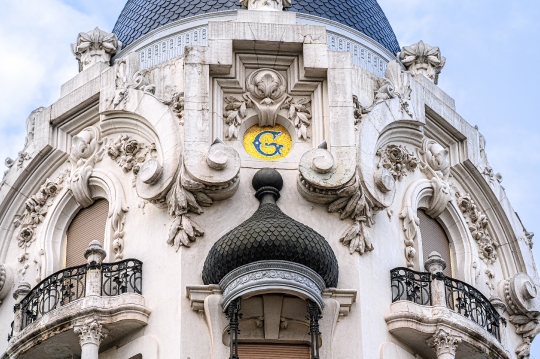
408	318
120	314
272	276
345	297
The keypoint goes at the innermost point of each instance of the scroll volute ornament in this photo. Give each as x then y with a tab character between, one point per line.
267	90
86	151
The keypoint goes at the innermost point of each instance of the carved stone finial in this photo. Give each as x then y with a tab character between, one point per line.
422	59
435	263
271	5
95	252
93	47
91	333
443	343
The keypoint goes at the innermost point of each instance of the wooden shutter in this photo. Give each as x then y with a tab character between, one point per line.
434	238
272	351
88	224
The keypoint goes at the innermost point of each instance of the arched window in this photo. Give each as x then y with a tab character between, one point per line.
434	238
87	225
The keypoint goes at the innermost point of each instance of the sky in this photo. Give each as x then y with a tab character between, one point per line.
491	47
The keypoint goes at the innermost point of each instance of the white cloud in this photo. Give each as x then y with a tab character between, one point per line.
35	38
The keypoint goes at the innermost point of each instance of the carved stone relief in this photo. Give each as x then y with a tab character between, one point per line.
300	115
93	47
424	59
137	82
36	208
522	296
478	223
398	160
190	196
272	5
130	154
444	342
91	332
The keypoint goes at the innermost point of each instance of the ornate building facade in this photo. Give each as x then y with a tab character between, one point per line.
256	180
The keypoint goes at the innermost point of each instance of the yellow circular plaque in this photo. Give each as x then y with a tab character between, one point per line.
267	143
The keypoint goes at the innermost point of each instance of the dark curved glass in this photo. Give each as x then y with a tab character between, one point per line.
56	290
411	285
469	302
121	277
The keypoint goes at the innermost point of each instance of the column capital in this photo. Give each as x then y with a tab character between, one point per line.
91	332
444	342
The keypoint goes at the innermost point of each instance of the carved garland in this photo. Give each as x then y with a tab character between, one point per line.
478	222
36	208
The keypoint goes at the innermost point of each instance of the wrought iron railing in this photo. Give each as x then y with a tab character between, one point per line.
461	297
69	284
410	285
56	290
469	302
121	277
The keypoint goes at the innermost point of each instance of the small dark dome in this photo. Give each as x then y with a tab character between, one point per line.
269	234
139	17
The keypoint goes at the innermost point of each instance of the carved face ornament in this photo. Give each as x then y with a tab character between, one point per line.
267	90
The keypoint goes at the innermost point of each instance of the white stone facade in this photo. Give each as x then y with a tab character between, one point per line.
160	137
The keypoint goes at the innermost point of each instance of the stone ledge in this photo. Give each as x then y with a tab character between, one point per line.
414	324
119	315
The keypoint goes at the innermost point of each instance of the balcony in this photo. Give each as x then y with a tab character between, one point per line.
442	317
76	310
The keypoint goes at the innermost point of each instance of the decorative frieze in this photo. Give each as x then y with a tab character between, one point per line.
424	59
93	47
478	223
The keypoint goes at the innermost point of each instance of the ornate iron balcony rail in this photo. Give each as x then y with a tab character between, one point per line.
461	297
121	277
56	290
410	285
68	285
469	302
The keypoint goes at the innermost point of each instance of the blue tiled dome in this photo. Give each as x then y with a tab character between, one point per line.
141	16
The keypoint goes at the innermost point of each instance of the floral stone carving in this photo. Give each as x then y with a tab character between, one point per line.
424	59
478	222
93	47
443	343
130	154
267	91
36	208
300	115
353	203
234	115
397	160
138	82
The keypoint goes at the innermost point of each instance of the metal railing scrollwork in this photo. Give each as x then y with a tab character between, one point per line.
469	302
410	285
121	277
56	290
461	297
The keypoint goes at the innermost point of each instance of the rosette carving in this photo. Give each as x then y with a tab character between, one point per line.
130	154
398	160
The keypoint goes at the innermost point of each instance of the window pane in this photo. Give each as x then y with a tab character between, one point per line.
434	239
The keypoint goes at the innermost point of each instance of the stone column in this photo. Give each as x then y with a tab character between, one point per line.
22	290
94	254
444	344
90	336
435	265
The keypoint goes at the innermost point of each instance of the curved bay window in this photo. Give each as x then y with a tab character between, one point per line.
434	239
88	225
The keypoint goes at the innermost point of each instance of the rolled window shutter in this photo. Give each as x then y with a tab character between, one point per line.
272	351
88	224
434	238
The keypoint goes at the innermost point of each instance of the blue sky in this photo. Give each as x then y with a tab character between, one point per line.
492	50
